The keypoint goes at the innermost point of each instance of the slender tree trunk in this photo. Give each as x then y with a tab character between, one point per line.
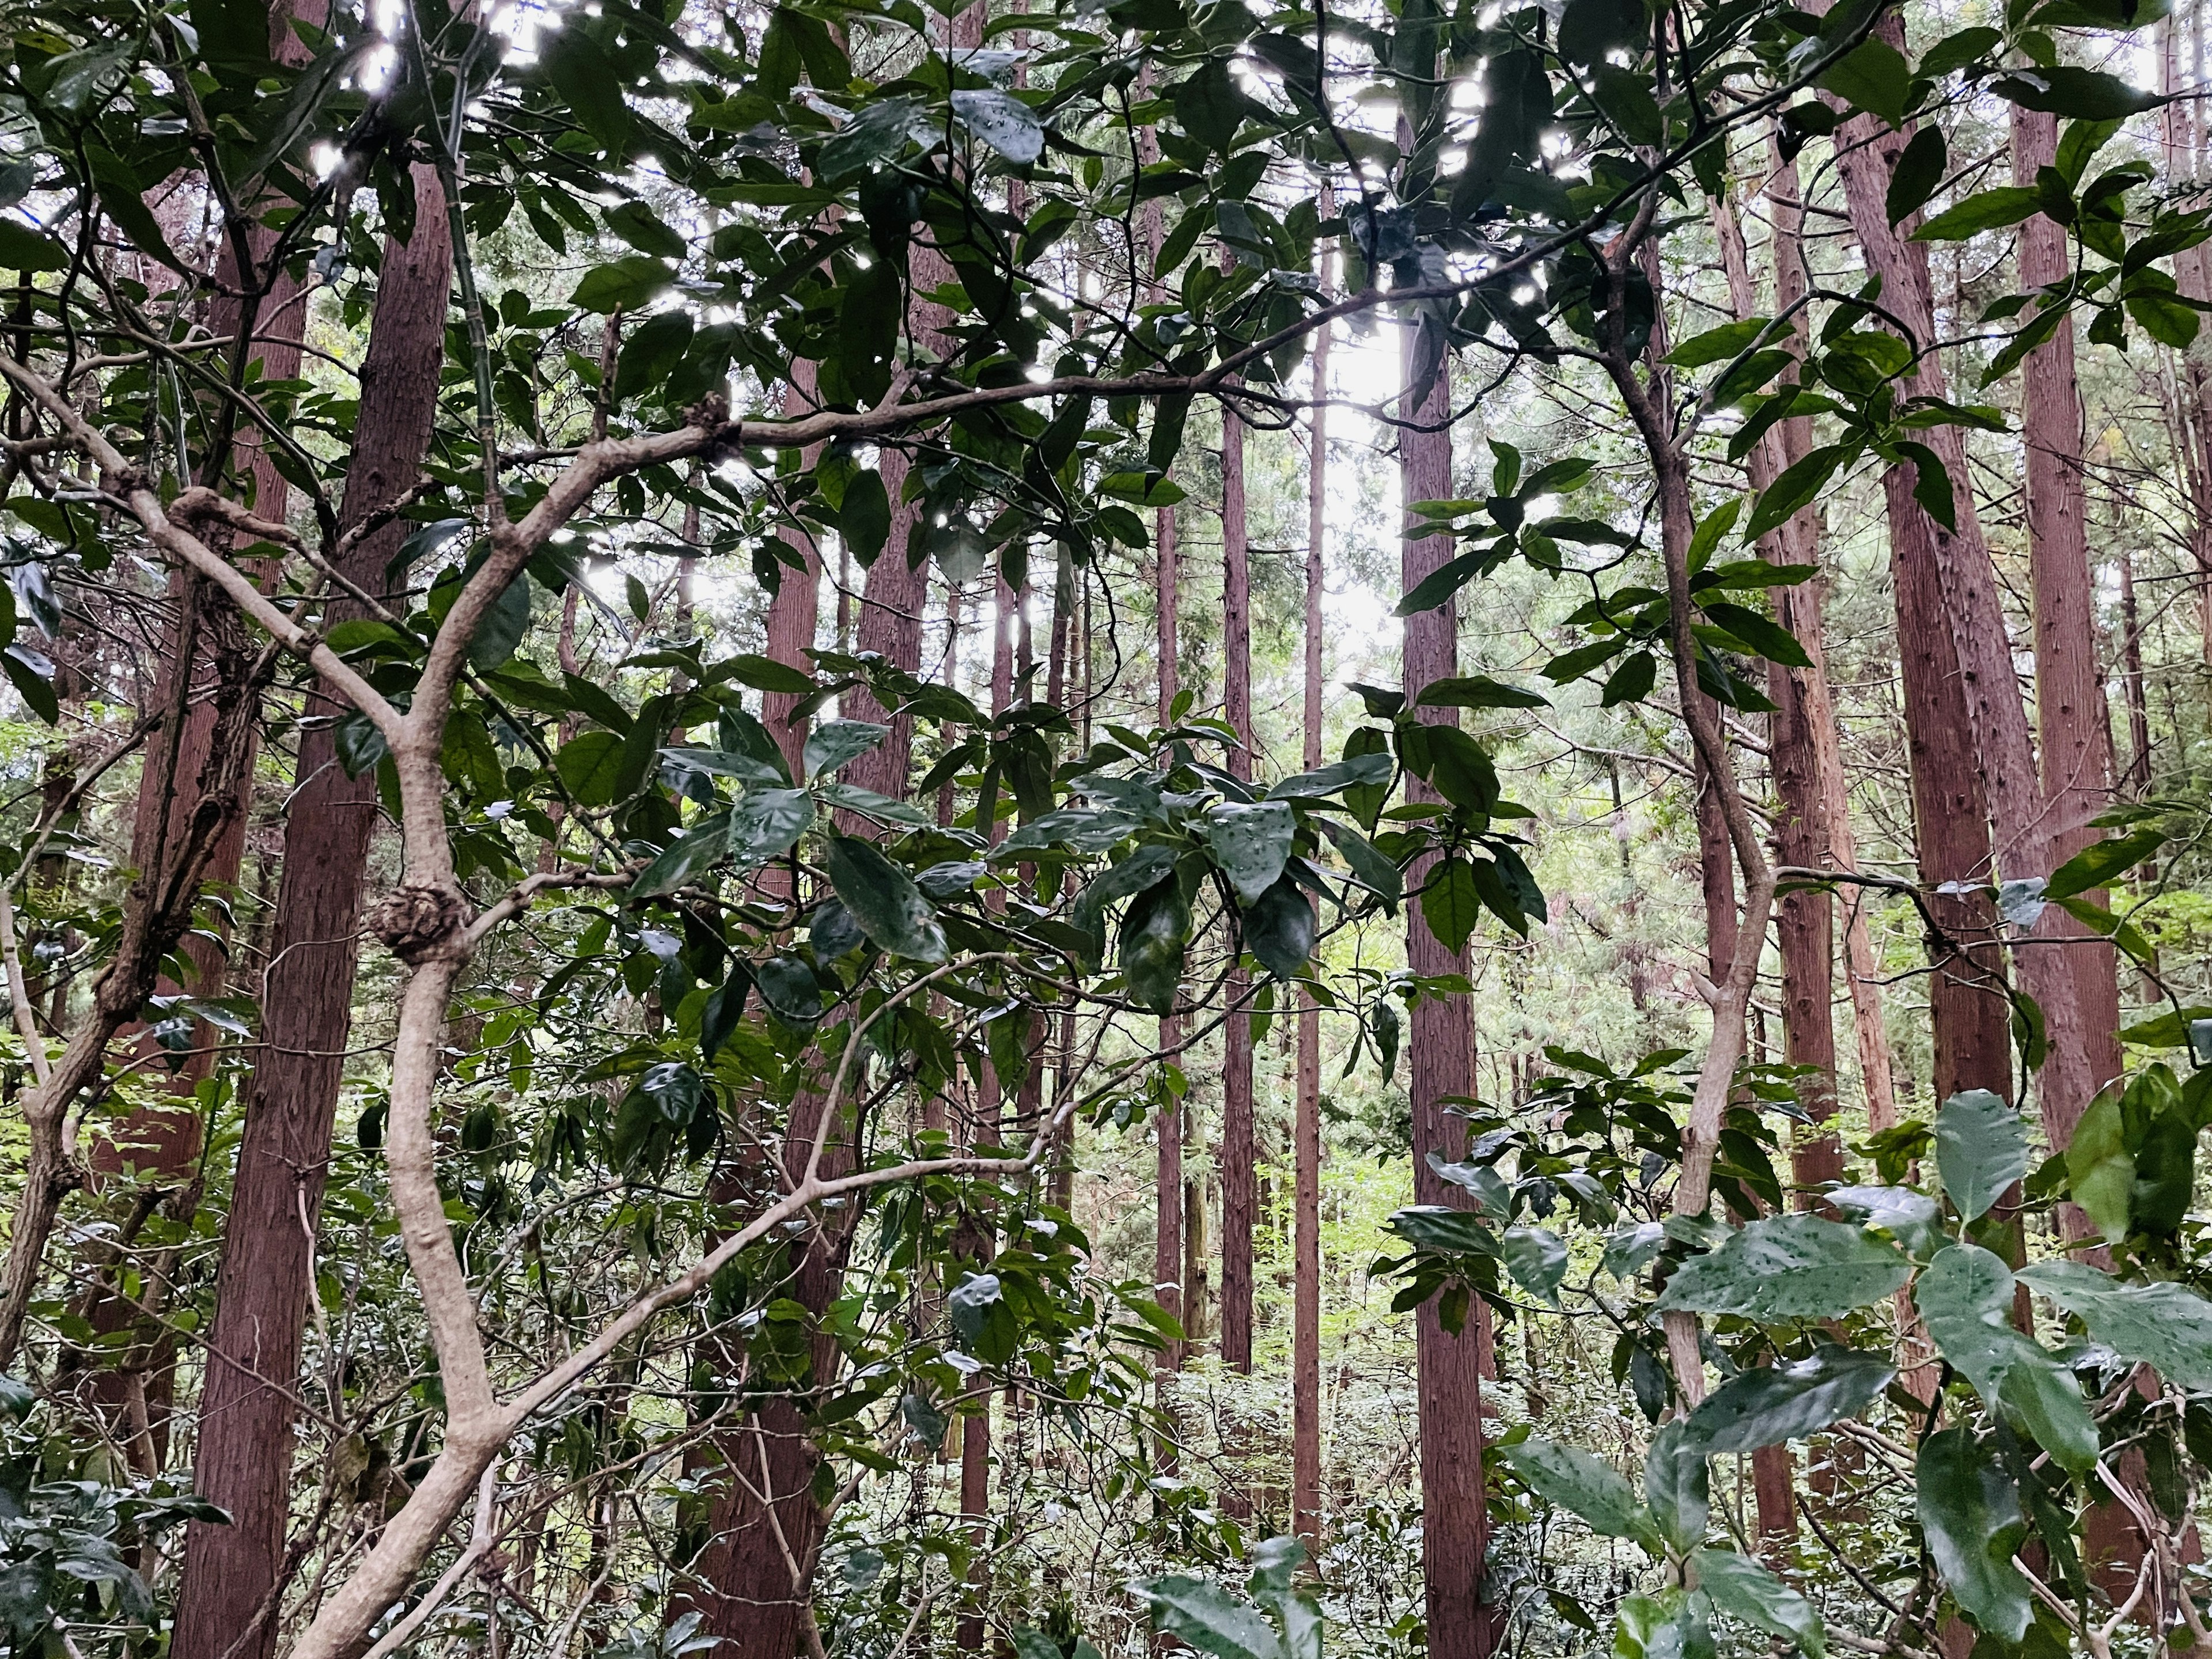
1170	1282
1945	589
2073	725
231	1573
2138	775
794	613
1239	1150
1305	1251
1455	1519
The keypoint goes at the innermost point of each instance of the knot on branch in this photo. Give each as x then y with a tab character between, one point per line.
711	414
413	920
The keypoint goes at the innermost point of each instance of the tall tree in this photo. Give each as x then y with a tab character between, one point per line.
233	1574
1240	1175
1455	1511
1305	1248
1980	811
2074	725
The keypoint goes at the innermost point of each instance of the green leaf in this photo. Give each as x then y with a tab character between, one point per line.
1918	174
1873	76
2163	1325
1373	870
1988	210
1280	929
1795	490
706	840
1965	1296
645	231
1787	1267
590	764
790	991
1766	1405
1769	639
2080	95
1209	1617
864	518
22	248
1536	1259
767	823
2100	1168
1570	1480
1209	106
1717	345
1969	1516
588	84
500	628
1250	841
1477	691
34	685
977	1309
834	744
651	355
1624	96
1743	1590
1153	935
1675	1483
1352	772
884	900
1931	485
1675	1624
1002	121
877	134
629	283
1451	903
1631	682
2098	863
1981	1149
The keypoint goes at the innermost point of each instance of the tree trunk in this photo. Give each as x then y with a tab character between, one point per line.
232	1574
1239	1148
1972	729
1455	1519
2073	725
794	612
1305	1250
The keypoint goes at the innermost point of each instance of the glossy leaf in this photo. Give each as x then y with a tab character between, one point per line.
1969	1515
1766	1405
1740	1588
2163	1325
1981	1149
1788	1266
1571	1480
884	900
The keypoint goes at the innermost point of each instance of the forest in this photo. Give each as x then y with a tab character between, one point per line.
1080	828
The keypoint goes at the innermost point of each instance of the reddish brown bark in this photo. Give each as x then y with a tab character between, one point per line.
1305	1248
1455	1521
2074	725
1957	596
794	612
1239	1148
243	1458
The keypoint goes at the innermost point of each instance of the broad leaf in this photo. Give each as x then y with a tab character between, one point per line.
1250	841
1981	1149
1280	929
1964	1297
1766	1405
1969	1516
2164	1326
884	900
1573	1480
1788	1266
1742	1588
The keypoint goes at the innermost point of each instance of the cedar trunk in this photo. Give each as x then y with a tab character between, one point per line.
244	1461
1455	1534
1239	1144
1305	1248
